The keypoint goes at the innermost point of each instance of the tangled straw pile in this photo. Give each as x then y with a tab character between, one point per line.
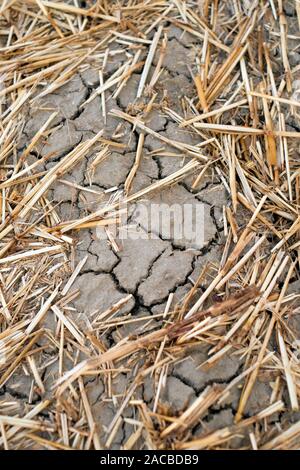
245	114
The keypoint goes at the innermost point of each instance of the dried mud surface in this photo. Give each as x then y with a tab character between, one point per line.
148	270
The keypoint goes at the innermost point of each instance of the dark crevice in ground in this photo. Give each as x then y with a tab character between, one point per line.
21	396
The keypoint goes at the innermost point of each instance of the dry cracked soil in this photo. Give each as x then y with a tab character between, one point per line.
149	269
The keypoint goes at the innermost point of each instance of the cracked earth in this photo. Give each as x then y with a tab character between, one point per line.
148	273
